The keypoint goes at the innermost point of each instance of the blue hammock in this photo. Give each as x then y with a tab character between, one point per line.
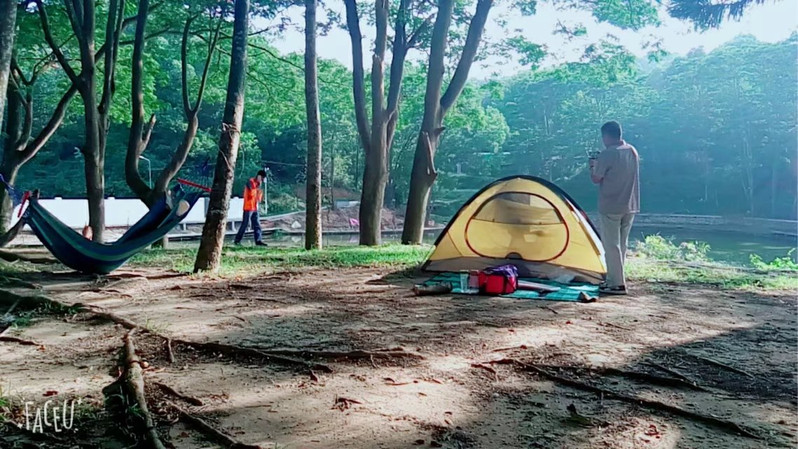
86	256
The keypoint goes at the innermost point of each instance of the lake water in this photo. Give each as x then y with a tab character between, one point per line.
724	246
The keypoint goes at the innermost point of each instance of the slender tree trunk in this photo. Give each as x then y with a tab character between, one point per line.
435	108
8	23
209	255
375	178
93	158
332	177
96	108
313	193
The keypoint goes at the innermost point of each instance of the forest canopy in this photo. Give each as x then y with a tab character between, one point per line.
716	131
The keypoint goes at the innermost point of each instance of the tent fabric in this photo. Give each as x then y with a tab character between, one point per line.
525	221
81	254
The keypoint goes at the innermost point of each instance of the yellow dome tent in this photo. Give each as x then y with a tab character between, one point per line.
525	221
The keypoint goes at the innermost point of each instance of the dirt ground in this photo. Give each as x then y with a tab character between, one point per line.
427	381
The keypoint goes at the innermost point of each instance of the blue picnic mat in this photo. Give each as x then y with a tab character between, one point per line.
566	292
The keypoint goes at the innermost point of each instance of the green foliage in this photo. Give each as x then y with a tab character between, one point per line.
722	276
659	248
705	14
786	263
531	53
716	131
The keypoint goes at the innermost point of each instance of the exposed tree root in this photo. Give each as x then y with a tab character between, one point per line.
670	371
722	365
239	351
728	426
348	355
9	281
108	316
12	299
651	378
487	368
209	347
18	340
134	383
13	257
171	391
217	435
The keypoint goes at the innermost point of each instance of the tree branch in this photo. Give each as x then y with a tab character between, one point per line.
358	74
475	29
75	15
51	127
399	52
113	31
205	70
413	40
184	65
136	138
27	122
377	69
48	36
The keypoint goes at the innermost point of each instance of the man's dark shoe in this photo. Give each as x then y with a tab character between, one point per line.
237	243
619	290
260	244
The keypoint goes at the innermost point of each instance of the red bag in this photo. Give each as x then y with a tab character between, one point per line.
498	281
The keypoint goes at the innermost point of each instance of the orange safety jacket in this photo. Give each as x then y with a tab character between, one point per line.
253	195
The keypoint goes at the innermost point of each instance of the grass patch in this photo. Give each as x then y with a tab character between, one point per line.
239	259
658	259
786	263
724	276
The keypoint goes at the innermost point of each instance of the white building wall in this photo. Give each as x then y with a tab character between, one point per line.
124	212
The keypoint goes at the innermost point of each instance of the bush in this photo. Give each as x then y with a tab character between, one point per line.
779	263
659	248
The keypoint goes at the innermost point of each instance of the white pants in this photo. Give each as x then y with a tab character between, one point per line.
615	238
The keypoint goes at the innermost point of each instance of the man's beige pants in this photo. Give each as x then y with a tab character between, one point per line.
615	238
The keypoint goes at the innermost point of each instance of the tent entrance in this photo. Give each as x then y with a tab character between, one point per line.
526	223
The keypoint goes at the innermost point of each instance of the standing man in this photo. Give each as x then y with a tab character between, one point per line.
616	171
253	196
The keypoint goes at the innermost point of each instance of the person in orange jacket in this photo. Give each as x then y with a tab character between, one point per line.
253	196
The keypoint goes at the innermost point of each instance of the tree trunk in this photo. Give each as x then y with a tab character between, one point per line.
209	254
375	178
138	136
8	23
332	177
421	179
313	193
93	158
9	171
377	138
435	108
